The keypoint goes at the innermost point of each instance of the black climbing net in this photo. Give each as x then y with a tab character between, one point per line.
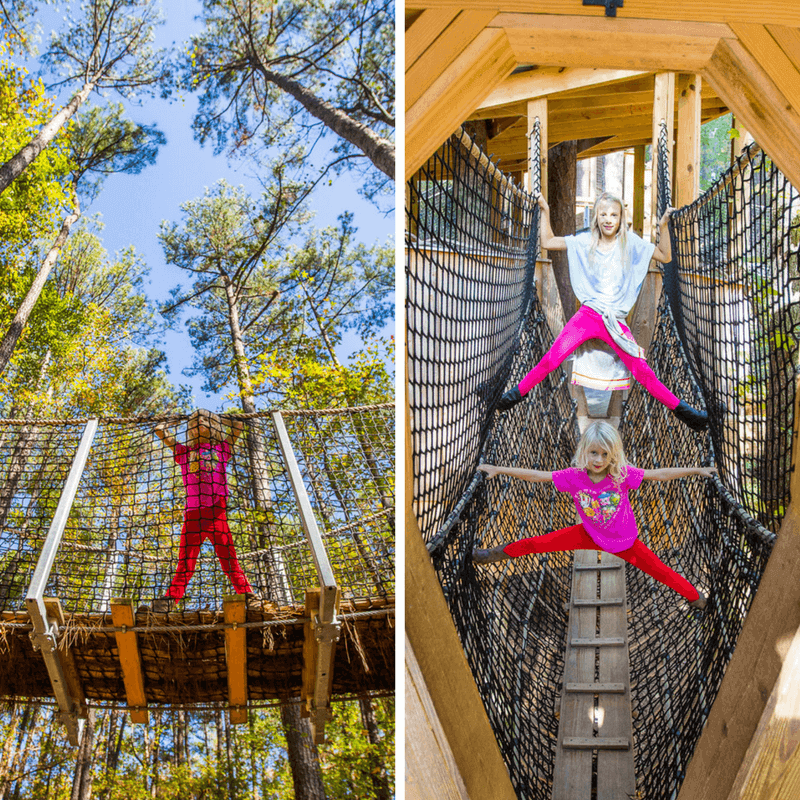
123	531
730	344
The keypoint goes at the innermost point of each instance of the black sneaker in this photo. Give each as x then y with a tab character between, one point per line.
480	556
696	420
509	399
700	603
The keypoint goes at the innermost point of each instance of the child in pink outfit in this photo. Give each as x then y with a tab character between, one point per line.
607	267
599	483
204	461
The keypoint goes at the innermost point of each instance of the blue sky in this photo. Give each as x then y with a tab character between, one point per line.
133	207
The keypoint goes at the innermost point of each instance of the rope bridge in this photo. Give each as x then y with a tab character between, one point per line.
90	524
728	340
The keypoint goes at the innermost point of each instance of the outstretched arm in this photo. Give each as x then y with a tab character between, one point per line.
663	252
532	475
549	240
165	437
671	473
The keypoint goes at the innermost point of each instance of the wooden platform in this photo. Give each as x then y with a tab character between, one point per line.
595	732
182	665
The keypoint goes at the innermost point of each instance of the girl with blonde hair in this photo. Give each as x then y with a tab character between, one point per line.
599	481
607	267
203	462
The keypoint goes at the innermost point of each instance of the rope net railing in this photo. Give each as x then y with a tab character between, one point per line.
123	533
512	616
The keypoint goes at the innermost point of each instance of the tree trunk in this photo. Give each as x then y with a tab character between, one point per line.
26	307
306	770
380	780
378	150
28	727
18	163
272	571
303	755
561	190
82	780
229	759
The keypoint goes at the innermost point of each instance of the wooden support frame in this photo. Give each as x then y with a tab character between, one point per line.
663	109
130	659
741	723
439	658
687	146
319	651
234	611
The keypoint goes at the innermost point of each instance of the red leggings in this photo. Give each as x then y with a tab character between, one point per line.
588	324
576	538
209	523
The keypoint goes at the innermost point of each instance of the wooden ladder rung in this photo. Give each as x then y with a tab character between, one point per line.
610	641
582	602
595	743
597	688
618	565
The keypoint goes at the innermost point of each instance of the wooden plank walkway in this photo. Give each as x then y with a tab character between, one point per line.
595	735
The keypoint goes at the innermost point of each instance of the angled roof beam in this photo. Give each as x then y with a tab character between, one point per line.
541	82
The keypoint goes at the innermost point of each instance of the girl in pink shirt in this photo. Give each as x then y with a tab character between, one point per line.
203	461
599	482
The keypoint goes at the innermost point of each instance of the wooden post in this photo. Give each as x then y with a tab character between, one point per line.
663	109
235	612
129	658
687	150
637	214
319	651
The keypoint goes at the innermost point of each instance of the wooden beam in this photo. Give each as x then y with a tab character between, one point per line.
663	110
234	612
448	46
130	658
777	12
789	41
629	44
637	211
687	148
454	94
71	675
319	655
757	661
551	80
431	769
752	95
771	768
441	661
424	31
769	54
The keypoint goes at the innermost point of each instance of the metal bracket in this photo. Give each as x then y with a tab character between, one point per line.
611	5
327	632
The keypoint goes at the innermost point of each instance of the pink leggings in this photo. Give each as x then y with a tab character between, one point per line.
576	538
210	523
588	324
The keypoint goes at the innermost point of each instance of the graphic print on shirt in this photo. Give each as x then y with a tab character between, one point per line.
602	508
203	460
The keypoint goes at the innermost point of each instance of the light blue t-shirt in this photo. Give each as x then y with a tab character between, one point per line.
602	278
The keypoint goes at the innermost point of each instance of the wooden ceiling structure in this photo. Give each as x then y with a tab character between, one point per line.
486	59
599	78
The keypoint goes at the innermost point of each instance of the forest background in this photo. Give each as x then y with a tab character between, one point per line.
159	249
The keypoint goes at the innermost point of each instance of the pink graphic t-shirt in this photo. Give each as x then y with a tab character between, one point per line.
204	476
603	507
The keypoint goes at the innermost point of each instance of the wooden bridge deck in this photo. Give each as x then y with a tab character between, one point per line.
182	664
595	738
